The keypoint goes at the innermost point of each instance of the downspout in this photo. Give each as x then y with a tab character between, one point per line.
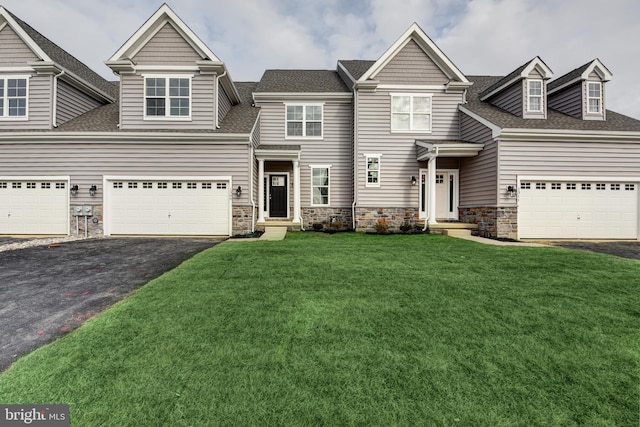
355	157
430	163
54	100
251	200
218	98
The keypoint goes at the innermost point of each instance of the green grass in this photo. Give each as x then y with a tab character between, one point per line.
356	330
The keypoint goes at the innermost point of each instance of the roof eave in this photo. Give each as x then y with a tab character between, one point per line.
302	96
71	78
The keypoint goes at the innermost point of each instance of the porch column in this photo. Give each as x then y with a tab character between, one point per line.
296	190
260	190
431	194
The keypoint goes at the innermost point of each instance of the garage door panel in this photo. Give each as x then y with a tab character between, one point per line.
582	210
169	207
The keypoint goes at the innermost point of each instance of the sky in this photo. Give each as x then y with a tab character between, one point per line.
482	37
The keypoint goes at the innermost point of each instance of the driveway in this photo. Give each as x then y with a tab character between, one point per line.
46	292
626	249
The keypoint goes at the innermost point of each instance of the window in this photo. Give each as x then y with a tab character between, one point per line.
31	185
45	185
601	186
167	97
13	97
541	185
221	185
319	185
594	97
60	185
132	185
176	185
615	187
556	186
535	95
16	185
117	185
206	185
439	179
525	185
162	185
411	113
586	186
147	185
304	121
192	185
571	186
629	187
373	171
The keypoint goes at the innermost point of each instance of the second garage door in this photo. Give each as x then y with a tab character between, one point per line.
557	209
198	207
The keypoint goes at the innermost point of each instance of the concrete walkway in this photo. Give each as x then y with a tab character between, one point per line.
274	233
466	234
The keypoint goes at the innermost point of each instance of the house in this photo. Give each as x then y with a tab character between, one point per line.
177	147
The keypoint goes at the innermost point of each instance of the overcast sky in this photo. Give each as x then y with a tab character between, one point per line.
488	37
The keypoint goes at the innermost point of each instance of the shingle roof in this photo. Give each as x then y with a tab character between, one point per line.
555	119
504	80
357	68
66	60
571	75
239	120
311	81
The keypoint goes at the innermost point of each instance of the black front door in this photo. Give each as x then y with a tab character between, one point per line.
278	196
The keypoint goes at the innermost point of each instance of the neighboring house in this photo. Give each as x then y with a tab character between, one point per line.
176	147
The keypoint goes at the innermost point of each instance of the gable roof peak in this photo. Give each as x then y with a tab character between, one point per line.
579	74
415	33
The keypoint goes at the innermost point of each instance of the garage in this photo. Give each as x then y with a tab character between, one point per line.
577	209
168	206
34	205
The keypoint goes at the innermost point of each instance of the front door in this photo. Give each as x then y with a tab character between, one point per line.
278	196
446	194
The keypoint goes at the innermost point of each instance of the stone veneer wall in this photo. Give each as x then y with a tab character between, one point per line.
367	218
325	216
493	222
94	229
242	220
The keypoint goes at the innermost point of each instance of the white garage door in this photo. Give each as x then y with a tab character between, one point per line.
34	206
168	207
578	209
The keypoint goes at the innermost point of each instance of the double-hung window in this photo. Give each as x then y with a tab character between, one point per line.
304	121
411	113
594	97
320	185
13	97
373	170
534	95
167	97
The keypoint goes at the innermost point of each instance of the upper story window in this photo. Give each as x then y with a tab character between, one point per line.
320	185
411	113
13	97
534	98
167	97
304	121
594	97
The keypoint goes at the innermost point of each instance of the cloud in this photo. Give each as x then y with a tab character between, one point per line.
479	36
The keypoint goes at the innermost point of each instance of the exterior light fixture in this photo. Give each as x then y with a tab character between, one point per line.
511	190
74	189
414	181
92	190
239	191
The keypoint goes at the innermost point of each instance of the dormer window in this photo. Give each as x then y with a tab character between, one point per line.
13	98
534	99
594	98
167	97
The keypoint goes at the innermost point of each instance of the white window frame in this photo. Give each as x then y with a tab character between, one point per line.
304	106
598	98
366	169
328	168
5	106
412	113
530	96
167	97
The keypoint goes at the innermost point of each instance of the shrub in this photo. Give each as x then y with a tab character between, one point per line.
381	226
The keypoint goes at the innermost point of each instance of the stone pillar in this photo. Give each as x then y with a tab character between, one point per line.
260	190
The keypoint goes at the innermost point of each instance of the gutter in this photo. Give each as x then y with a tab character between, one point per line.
54	99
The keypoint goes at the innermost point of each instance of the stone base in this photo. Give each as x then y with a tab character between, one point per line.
371	219
338	218
94	223
493	222
242	220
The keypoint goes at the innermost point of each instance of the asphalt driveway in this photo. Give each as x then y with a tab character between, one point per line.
46	292
625	249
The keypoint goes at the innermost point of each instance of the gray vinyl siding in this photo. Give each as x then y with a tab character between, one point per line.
72	102
554	158
398	162
38	106
224	103
412	66
510	99
13	51
87	163
202	105
334	149
167	47
479	174
568	101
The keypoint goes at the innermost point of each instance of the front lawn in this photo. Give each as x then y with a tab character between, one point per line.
351	329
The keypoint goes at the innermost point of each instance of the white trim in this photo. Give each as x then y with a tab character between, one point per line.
597	66
167	97
422	214
599	98
456	192
411	97
18	70
304	121
413	87
328	168
267	176
24	36
529	96
578	179
295	97
5	117
159	69
366	170
463	149
583	136
177	138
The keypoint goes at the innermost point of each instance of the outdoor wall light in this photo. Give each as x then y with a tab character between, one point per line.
93	190
74	189
511	190
239	191
414	181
